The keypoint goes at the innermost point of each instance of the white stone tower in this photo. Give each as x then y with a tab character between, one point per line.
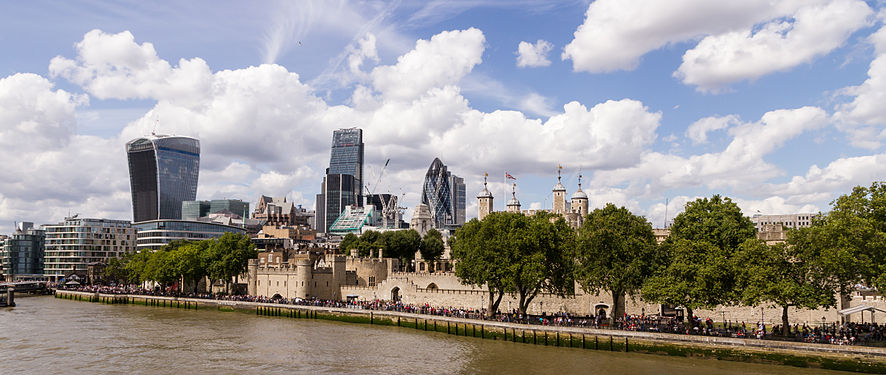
579	200
559	195
514	204
484	204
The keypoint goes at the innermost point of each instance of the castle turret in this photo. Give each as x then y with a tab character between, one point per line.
559	195
484	201
304	271
514	204
579	203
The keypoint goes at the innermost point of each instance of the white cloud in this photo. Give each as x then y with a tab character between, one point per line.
778	45
616	33
443	60
740	164
863	118
698	131
533	55
365	50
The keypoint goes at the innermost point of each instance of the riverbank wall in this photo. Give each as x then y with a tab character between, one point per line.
847	358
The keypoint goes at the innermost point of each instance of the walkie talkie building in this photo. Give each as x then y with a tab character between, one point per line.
163	173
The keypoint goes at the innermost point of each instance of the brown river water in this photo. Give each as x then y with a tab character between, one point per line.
44	335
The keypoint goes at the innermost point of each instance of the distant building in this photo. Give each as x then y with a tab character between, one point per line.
422	219
789	221
193	210
163	172
485	202
21	254
346	156
353	219
76	242
573	212
280	212
337	192
343	183
444	194
155	234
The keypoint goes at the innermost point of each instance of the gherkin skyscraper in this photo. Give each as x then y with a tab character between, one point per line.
163	172
444	193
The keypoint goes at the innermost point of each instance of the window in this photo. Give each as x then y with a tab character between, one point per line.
371	281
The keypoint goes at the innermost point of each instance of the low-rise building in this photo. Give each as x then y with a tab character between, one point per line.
154	234
74	243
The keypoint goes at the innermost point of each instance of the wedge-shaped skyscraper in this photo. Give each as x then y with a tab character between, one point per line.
163	173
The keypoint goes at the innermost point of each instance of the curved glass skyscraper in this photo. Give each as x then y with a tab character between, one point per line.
437	194
163	173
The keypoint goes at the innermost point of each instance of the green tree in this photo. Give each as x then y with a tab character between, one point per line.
852	238
160	268
543	259
478	249
115	271
432	245
616	251
229	257
135	266
191	260
783	274
349	242
700	254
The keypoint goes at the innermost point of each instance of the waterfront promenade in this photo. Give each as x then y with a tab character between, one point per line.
589	338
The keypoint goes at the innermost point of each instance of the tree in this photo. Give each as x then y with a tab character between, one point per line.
700	255
160	268
115	271
432	245
718	221
511	252
698	274
349	242
230	255
191	261
616	251
852	238
544	258
135	266
783	274
480	259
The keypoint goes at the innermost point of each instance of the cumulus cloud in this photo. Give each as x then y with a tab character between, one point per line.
443	60
779	45
533	55
739	40
740	164
698	131
863	117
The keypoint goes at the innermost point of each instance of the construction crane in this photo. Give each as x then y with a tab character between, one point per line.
390	211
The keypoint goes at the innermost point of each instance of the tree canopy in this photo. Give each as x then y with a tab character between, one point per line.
700	254
616	251
432	245
513	252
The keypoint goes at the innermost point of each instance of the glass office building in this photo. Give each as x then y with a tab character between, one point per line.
163	172
154	234
457	187
337	192
437	194
193	210
21	254
347	155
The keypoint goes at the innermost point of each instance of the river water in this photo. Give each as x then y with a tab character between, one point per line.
44	335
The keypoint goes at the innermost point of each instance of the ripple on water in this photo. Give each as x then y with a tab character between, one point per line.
53	336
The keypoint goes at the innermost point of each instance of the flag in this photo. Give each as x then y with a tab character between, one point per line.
559	166
508	176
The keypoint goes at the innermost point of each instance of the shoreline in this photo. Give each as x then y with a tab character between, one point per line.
846	358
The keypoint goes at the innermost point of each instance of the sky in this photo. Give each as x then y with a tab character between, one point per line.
779	105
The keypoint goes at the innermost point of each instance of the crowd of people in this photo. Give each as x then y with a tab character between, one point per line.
833	333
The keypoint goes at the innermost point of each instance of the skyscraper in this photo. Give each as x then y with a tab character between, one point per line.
347	155
444	193
163	173
337	192
343	183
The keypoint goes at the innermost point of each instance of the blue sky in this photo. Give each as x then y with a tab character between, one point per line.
775	104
